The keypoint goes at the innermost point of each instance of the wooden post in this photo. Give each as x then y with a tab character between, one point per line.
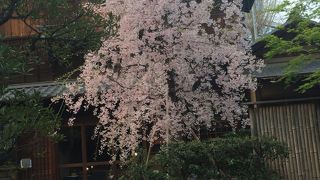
84	152
253	99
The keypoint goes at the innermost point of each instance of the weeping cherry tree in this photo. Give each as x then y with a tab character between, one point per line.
172	67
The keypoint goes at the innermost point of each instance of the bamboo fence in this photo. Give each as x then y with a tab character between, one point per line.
297	125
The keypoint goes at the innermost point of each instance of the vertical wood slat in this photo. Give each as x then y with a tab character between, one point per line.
17	28
298	126
304	153
307	142
311	121
278	130
294	149
311	141
42	154
316	145
297	120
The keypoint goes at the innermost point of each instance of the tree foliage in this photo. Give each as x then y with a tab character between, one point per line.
221	158
23	114
61	30
303	41
171	68
12	61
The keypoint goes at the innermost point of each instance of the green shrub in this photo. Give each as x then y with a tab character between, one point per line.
231	157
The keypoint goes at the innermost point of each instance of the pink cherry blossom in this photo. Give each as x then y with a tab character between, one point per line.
172	67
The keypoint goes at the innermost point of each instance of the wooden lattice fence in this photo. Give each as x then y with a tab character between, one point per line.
296	124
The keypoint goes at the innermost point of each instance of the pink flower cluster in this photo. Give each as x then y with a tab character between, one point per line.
172	67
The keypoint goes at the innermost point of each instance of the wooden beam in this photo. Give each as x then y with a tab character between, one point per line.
283	101
72	165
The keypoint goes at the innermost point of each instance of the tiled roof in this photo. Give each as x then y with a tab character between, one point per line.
277	69
45	89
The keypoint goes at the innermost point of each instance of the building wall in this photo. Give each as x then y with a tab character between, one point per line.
280	112
17	34
42	152
16	28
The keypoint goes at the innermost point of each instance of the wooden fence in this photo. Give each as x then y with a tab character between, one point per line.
296	124
19	27
42	152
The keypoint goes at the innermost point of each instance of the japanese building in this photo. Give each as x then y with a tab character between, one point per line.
75	157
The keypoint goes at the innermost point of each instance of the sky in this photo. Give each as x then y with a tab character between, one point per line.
282	18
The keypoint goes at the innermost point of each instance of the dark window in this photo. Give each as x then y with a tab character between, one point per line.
79	154
70	147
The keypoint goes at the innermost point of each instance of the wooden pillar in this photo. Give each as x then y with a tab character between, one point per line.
253	98
84	152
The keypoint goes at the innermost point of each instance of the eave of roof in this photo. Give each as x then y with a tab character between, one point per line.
45	89
278	69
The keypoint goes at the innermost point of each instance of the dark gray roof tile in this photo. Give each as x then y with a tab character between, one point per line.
277	69
45	89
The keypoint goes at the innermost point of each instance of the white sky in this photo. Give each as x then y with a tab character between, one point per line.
281	17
